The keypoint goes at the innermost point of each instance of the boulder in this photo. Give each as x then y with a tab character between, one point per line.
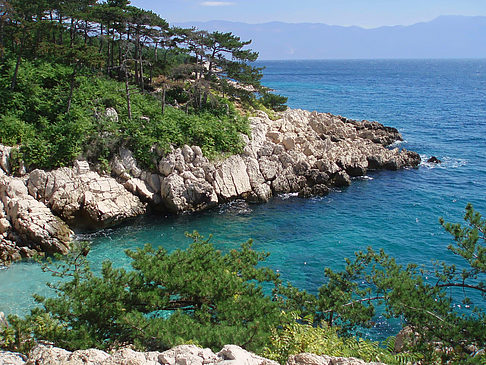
187	354
33	222
86	198
3	321
11	358
47	355
128	162
89	356
5	159
180	355
312	359
234	355
231	178
127	356
434	159
81	167
111	114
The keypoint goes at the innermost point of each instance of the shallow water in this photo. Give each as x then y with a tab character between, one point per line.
439	107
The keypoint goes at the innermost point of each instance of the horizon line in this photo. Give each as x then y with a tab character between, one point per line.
331	25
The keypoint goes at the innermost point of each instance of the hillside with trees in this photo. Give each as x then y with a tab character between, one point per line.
63	63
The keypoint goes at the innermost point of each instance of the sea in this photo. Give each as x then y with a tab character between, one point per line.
439	106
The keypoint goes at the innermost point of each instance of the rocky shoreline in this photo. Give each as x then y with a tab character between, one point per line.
301	152
180	355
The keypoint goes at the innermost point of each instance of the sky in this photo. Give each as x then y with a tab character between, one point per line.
364	13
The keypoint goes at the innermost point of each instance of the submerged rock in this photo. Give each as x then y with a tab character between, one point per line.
434	159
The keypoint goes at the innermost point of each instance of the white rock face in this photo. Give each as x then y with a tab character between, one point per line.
312	359
33	222
4	160
11	358
231	354
99	200
180	355
302	152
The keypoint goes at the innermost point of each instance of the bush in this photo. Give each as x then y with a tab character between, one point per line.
296	337
274	102
34	115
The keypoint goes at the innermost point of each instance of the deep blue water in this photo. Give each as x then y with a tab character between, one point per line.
439	107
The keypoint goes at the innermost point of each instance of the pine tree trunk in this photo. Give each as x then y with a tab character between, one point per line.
85	32
72	32
17	64
52	28
120	41
2	51
112	58
137	51
61	29
127	91
141	72
101	38
108	49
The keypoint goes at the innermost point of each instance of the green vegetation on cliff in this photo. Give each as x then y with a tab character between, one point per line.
62	64
209	298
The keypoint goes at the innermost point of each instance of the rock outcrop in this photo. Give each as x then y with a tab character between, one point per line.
27	224
78	195
302	152
184	354
36	211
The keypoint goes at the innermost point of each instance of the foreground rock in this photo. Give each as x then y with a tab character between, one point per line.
185	354
302	152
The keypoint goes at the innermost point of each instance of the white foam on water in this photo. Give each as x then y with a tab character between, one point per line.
446	162
287	195
235	207
365	178
397	144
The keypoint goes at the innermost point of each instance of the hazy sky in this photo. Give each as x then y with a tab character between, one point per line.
365	13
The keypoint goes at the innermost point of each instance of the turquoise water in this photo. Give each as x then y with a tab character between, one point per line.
440	108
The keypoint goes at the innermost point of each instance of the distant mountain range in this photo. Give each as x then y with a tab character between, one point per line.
444	37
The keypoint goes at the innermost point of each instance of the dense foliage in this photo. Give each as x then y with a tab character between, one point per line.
62	63
198	295
299	336
206	297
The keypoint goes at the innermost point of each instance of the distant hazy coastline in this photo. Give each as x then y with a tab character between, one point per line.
444	37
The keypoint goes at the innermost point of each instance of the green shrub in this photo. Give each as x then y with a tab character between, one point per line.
297	336
14	131
34	115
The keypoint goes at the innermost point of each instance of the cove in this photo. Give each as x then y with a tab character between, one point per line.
440	109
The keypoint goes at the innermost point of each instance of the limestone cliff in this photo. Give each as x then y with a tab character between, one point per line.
301	152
